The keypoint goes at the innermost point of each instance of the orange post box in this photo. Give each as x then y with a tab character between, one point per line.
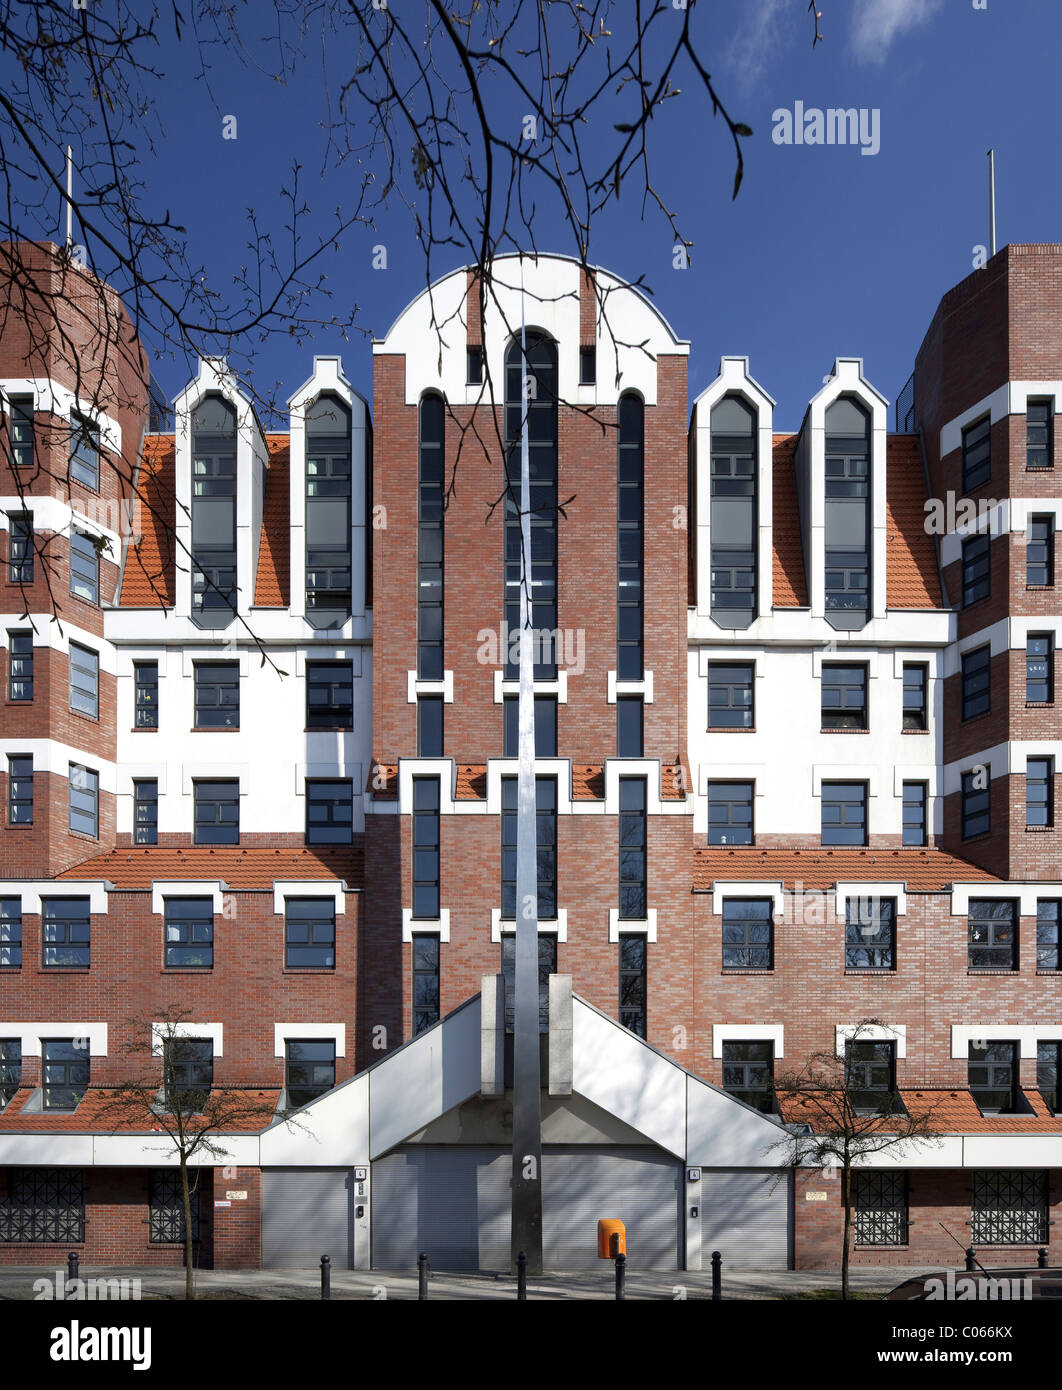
611	1238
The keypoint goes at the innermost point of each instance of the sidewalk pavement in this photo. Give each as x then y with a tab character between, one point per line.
259	1284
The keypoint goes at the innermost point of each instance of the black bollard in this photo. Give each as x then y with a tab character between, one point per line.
1042	1257
521	1276
971	1258
621	1275
326	1277
422	1276
717	1276
71	1266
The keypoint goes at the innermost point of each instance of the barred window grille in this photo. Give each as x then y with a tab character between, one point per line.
880	1208
43	1206
166	1208
1009	1208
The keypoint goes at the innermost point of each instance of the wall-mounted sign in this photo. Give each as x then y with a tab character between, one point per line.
236	1196
219	1203
815	1196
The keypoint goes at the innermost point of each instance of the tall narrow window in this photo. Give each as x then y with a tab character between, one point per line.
976	454
915	825
216	812
1039	429
66	932
328	514
915	696
426	848
730	813
310	1069
474	365
84	451
1039	669
748	934
310	933
1040	553
587	366
20	430
425	981
146	811
844	813
1048	938
730	698
748	1073
733	512
992	1072
847	514
541	372
1039	792
146	694
633	992
870	934
546	842
430	539
329	811
844	697
20	789
629	721
976	798
1049	1074
189	933
213	512
84	671
84	805
976	682
632	848
429	726
547	966
10	1069
20	665
10	933
20	548
992	927
217	694
84	567
630	538
976	572
545	726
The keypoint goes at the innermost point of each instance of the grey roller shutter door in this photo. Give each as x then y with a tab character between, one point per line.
746	1217
453	1203
642	1187
307	1213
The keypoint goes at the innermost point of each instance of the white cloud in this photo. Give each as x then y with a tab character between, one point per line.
878	22
756	39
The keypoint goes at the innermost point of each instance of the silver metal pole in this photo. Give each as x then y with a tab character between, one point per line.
69	197
992	201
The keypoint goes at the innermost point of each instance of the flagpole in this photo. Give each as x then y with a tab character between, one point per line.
69	197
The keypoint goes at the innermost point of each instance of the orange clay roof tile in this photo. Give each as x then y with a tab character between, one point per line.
148	577
948	1112
137	867
923	870
790	588
272	584
249	1110
912	580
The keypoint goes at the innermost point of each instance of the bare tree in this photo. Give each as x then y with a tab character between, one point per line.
834	1121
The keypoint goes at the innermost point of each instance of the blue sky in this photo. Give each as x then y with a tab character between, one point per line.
826	251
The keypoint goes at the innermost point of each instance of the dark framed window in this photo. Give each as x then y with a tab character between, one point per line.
329	695
915	696
1009	1207
474	365
1040	552
20	548
20	666
870	1077
1039	429
214	511
310	1069
329	812
425	981
633	982
84	800
1040	792
430	538
730	820
844	697
84	567
748	934
217	694
915	813
630	539
66	933
187	1072
146	811
20	430
10	1074
545	726
587	366
748	1073
1049	1074
189	933
630	710
730	695
976	804
1039	669
546	843
328	511
870	934
84	451
1048	920
166	1207
429	726
976	675
426	865
20	790
976	569
633	825
992	926
10	933
733	512
84	671
976	454
216	812
844	813
547	966
879	1208
146	694
65	1066
43	1206
310	933
847	513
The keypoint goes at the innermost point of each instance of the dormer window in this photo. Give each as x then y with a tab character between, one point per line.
328	499
847	514
733	515
213	512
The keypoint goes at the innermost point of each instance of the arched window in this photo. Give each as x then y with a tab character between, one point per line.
733	512
213	512
328	482
430	539
630	529
541	371
847	514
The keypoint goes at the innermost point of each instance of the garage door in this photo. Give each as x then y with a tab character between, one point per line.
642	1187
453	1203
746	1216
307	1213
